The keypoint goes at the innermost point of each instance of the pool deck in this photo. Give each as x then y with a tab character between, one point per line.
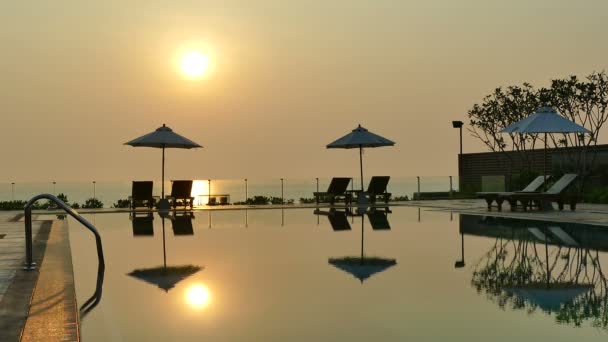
40	305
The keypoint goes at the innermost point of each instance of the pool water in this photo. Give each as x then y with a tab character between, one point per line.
297	275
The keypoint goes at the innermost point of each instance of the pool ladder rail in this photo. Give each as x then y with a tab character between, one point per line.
29	262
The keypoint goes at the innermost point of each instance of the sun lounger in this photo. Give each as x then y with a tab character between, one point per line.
336	190
558	193
141	194
181	194
376	188
499	197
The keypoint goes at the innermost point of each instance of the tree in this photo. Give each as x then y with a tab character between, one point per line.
582	101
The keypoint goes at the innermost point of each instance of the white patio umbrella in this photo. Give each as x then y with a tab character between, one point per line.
163	137
545	120
361	138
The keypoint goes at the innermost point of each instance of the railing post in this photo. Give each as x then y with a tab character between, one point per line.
29	260
451	188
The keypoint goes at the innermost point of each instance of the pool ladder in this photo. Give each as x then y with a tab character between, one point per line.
29	262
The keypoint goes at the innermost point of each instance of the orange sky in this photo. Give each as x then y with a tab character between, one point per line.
79	78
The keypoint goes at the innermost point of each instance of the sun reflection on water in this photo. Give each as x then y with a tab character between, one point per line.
198	296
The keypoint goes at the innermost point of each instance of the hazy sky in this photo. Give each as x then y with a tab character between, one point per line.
79	78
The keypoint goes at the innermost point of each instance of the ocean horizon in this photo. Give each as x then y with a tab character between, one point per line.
294	188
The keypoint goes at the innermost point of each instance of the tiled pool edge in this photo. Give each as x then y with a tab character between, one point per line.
53	312
14	304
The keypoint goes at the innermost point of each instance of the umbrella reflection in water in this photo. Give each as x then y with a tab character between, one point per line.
165	277
361	267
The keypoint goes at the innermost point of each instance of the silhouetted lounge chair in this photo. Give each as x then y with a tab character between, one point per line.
336	190
182	224
377	188
181	194
141	194
143	225
499	197
557	193
379	219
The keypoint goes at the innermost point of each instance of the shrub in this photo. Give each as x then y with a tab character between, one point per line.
92	203
12	205
258	200
122	203
307	200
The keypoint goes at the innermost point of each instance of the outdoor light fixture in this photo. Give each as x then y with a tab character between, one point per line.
457	124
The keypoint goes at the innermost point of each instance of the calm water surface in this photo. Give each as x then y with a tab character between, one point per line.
265	275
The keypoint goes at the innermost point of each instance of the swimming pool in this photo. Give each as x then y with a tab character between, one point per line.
282	275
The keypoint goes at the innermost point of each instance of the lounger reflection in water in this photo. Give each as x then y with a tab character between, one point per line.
182	223
378	218
143	223
337	218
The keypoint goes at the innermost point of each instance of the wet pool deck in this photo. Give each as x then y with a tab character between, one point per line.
40	305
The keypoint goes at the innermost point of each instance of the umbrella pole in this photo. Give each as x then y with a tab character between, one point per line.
361	164
163	176
362	217
545	165
164	249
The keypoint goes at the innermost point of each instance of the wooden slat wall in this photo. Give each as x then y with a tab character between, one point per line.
474	165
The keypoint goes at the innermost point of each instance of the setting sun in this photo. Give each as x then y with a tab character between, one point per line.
198	296
194	64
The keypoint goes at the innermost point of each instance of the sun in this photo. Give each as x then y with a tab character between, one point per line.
194	64
198	296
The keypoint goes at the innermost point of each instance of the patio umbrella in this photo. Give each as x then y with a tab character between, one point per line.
362	267
163	137
545	120
360	138
165	277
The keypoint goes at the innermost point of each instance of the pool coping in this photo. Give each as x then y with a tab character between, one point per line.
15	303
53	311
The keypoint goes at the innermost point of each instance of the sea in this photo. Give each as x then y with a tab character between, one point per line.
109	192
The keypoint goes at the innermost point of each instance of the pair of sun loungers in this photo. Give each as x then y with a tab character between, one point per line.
141	194
531	196
338	190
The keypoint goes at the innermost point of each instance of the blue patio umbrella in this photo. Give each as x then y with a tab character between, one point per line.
360	138
163	137
545	120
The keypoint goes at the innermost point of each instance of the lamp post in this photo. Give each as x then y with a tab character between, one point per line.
12	191
54	193
246	195
317	184
459	124
209	197
282	197
94	190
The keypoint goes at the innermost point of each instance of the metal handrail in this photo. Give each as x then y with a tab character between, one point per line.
29	262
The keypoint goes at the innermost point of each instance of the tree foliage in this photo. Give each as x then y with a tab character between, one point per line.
584	101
